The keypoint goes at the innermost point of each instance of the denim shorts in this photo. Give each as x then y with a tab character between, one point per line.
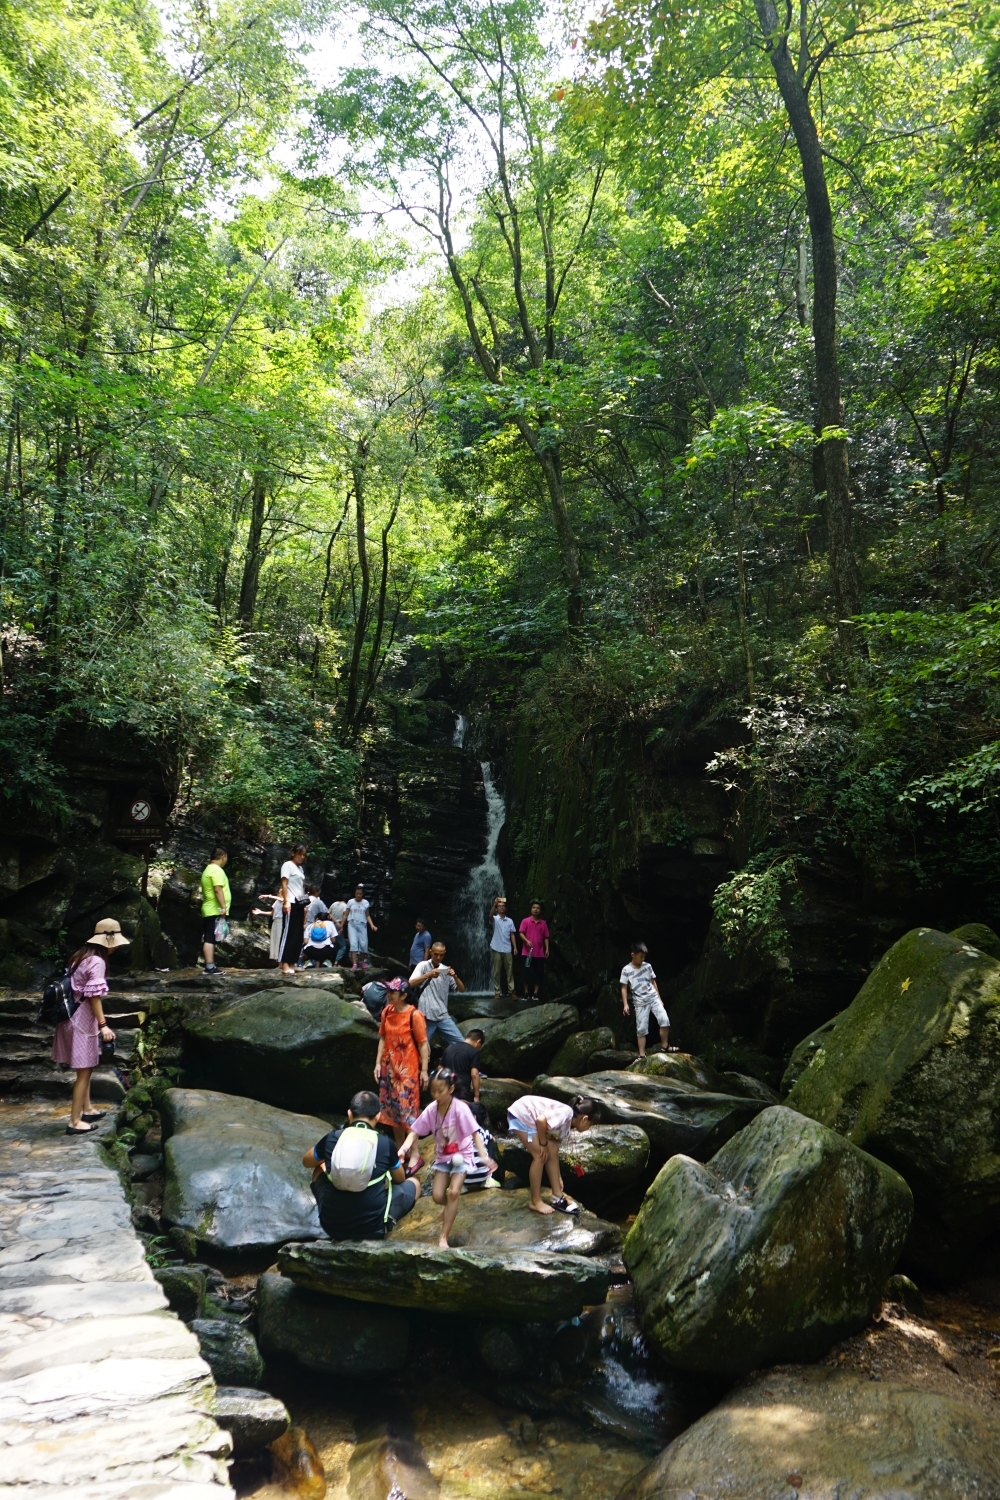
452	1164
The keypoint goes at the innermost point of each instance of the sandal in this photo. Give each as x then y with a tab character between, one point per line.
78	1130
565	1206
94	1114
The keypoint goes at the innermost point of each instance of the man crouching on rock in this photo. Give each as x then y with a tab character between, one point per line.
358	1182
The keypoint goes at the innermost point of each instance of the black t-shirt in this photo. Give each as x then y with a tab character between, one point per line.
355	1216
461	1058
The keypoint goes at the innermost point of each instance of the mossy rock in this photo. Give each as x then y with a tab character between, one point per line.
496	1096
980	936
329	1333
16	972
683	1068
911	1073
298	1049
524	1044
571	1059
771	1252
804	1053
594	1162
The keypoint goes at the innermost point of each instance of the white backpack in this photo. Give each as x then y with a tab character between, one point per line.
353	1158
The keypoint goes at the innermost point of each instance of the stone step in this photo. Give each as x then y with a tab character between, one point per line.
47	1083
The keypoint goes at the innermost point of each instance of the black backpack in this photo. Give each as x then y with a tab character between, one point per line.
58	1003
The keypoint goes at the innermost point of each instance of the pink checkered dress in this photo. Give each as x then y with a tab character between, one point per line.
77	1041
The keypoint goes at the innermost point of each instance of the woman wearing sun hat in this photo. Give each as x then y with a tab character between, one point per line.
78	1040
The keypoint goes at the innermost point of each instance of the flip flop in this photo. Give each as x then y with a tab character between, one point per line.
564	1206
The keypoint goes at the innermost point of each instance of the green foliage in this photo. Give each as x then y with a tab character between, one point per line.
748	906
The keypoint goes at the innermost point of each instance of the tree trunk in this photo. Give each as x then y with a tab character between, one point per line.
251	566
836	469
361	620
548	458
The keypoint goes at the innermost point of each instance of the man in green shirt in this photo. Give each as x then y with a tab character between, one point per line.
215	903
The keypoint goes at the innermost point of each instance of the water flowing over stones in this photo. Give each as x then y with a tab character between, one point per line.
484	883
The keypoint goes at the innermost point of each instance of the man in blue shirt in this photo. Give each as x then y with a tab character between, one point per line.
421	943
503	945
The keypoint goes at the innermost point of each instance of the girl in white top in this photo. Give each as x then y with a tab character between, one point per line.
542	1124
293	903
358	922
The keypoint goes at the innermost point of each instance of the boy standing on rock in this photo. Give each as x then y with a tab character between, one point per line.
638	977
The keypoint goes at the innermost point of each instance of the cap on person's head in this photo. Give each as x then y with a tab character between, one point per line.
365	1105
108	934
639	948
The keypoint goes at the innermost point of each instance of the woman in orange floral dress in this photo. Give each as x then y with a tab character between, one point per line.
402	1066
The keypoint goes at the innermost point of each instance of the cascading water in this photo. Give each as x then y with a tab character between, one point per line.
485	883
461	725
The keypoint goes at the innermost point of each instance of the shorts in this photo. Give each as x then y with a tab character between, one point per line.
208	929
404	1195
358	937
531	1131
452	1164
646	1008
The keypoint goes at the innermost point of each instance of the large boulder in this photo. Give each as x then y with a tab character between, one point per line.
296	1048
234	1173
803	1054
522	1285
911	1073
828	1433
594	1162
571	1059
675	1117
328	1333
524	1044
979	936
773	1251
682	1068
503	1221
496	1096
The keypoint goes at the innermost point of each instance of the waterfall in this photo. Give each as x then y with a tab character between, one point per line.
485	882
461	725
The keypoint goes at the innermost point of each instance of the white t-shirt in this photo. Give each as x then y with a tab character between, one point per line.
433	1002
329	934
357	913
531	1108
337	911
503	928
295	876
641	981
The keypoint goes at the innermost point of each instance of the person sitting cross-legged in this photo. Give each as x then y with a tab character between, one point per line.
357	1180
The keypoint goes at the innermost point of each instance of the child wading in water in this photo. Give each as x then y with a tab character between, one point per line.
458	1144
542	1124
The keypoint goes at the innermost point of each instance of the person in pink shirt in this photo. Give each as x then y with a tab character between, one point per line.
534	931
459	1142
78	1040
543	1125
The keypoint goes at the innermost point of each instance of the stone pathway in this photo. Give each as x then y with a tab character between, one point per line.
103	1393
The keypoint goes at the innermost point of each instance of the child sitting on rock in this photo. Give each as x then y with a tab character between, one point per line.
459	1143
542	1125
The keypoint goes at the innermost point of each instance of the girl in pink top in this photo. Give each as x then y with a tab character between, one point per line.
78	1040
459	1142
542	1125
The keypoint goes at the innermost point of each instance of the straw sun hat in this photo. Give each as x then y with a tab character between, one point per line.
108	934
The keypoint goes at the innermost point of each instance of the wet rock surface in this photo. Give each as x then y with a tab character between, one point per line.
327	1333
252	1418
185	1289
503	1221
594	1161
774	1250
229	1350
388	1461
675	1117
303	1048
804	1053
520	1046
911	1073
516	1284
829	1433
234	1174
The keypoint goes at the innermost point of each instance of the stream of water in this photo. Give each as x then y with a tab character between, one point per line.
484	884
